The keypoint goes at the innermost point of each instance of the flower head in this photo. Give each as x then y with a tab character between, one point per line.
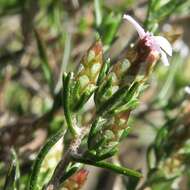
155	43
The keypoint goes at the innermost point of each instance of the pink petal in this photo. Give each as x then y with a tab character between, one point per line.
137	26
164	44
164	58
151	42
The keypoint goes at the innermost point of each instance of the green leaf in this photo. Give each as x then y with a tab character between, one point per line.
119	98
161	136
165	91
158	181
84	97
76	92
112	101
107	153
101	94
102	155
115	168
8	7
126	132
161	10
132	183
151	157
167	9
103	72
66	99
48	75
102	86
98	12
162	185
13	175
33	180
109	27
95	128
70	171
128	106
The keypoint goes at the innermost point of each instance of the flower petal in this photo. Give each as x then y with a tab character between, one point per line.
164	58
164	44
137	26
187	89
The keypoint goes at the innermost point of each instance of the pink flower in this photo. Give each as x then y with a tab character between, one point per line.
155	43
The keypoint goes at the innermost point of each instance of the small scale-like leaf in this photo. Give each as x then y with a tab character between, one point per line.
126	132
119	98
96	126
84	97
103	72
70	171
102	91
112	101
107	153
